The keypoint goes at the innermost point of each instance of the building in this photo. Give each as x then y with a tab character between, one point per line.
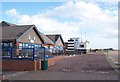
58	44
23	46
17	44
47	43
74	46
19	37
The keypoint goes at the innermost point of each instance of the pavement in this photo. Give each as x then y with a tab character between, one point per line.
82	67
113	61
114	58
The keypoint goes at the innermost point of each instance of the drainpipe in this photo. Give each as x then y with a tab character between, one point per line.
11	56
17	47
33	53
44	52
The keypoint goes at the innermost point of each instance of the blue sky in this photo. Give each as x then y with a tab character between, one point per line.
29	8
71	19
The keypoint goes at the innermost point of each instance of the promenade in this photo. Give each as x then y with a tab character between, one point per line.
82	67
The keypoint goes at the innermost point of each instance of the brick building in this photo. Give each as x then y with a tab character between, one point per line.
21	45
18	37
58	43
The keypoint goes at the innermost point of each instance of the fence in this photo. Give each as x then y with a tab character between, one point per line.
25	53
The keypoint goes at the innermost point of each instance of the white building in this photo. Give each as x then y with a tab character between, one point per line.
76	46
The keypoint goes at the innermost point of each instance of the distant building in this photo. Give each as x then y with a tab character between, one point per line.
74	46
58	48
47	43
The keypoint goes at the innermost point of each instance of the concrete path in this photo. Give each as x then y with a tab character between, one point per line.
83	67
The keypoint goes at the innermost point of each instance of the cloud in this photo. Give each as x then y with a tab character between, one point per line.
99	23
12	12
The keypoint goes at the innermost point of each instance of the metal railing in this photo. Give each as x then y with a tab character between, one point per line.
26	53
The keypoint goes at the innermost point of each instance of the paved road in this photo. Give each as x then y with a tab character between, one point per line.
83	67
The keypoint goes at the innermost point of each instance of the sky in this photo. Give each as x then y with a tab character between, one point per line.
96	22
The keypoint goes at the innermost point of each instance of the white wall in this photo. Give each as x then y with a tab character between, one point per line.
77	45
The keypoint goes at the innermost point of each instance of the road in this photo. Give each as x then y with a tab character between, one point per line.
83	67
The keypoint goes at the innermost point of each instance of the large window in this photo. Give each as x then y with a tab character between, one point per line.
82	46
10	44
28	45
20	46
32	37
46	47
6	48
6	44
31	45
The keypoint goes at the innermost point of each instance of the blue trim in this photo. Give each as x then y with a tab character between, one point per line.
10	53
18	58
26	58
33	53
50	57
2	47
44	52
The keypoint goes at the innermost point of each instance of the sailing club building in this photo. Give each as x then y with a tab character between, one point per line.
74	46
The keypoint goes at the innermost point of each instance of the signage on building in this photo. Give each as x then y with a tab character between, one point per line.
31	39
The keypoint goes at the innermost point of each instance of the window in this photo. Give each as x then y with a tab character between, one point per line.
82	46
23	45
36	45
29	37
39	45
76	40
51	50
34	37
31	45
20	44
20	48
26	45
61	48
6	44
51	46
1	44
10	44
46	46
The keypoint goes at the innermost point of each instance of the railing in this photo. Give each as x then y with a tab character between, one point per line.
26	53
